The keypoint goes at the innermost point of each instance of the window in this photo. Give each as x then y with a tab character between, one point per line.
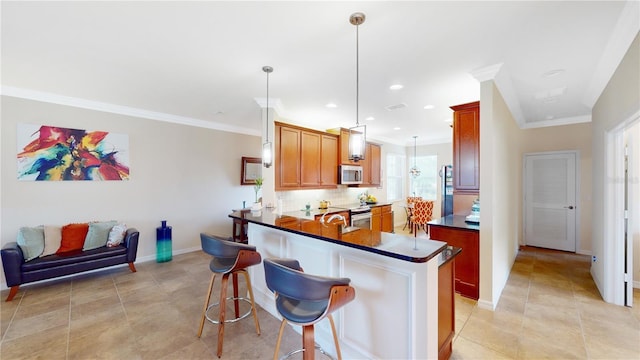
395	176
426	184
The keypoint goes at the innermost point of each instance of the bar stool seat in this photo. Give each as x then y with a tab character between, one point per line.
305	300
229	258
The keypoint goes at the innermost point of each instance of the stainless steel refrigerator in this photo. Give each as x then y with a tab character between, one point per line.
446	185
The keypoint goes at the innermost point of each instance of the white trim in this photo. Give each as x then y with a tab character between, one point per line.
122	110
556	122
487	305
487	72
613	228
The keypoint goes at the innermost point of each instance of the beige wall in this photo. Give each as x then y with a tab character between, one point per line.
186	175
500	193
567	137
618	102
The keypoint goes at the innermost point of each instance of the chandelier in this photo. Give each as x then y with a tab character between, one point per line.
414	171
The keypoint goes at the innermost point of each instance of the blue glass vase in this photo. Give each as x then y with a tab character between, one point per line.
163	243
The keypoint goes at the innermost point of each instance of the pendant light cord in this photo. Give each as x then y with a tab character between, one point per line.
357	76
267	120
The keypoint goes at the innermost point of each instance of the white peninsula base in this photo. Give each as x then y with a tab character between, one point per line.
395	312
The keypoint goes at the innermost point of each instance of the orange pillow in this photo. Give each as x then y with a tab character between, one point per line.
73	236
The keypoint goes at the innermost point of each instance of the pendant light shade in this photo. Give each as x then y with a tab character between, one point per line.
358	133
267	147
414	171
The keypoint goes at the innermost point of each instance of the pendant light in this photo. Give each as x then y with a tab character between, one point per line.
414	171
358	133
267	153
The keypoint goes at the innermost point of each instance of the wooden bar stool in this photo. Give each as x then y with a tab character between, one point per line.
229	258
304	300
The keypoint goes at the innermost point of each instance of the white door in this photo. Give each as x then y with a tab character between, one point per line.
550	200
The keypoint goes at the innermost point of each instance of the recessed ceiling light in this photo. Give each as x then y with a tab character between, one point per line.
370	118
396	87
429	107
397	128
552	73
331	105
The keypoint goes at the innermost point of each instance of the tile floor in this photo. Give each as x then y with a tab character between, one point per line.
550	308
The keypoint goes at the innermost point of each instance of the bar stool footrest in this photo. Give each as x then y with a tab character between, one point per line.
290	354
231	298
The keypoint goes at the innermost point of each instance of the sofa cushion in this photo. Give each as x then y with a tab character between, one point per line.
52	239
31	241
72	257
116	235
73	236
98	234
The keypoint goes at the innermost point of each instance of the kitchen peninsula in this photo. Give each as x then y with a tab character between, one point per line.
395	312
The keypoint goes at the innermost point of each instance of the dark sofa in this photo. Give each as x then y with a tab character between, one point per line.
18	272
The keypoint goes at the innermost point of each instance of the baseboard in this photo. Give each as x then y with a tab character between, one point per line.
584	252
139	260
487	305
636	284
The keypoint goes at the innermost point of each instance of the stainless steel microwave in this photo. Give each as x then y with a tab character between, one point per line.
350	174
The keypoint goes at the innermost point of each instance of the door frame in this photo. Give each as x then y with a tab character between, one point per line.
614	197
576	153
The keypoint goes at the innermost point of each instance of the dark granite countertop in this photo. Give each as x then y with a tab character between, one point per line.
387	244
455	221
448	254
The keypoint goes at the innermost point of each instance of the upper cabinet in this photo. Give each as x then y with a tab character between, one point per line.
371	163
371	166
466	148
305	158
343	146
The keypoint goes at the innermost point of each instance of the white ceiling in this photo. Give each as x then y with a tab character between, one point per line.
201	62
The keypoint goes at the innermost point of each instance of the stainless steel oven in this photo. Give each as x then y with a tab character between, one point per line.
361	217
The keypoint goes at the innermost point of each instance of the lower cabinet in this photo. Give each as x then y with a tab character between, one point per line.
467	265
382	218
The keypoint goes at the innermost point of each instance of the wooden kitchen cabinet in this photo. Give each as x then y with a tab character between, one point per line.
455	232
343	146
329	161
382	218
446	309
304	158
371	166
309	158
466	148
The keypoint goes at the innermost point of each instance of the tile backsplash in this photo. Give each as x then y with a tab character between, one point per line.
343	195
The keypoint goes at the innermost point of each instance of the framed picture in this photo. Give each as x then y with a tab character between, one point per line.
251	170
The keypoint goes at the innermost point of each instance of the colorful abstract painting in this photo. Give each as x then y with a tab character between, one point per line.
50	153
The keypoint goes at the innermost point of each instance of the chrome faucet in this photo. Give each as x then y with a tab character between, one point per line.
339	217
334	216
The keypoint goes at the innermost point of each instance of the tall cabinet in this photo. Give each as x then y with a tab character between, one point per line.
466	156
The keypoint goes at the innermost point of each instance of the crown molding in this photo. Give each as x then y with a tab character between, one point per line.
487	72
121	110
557	122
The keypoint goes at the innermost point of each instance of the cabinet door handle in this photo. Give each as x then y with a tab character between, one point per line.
570	207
